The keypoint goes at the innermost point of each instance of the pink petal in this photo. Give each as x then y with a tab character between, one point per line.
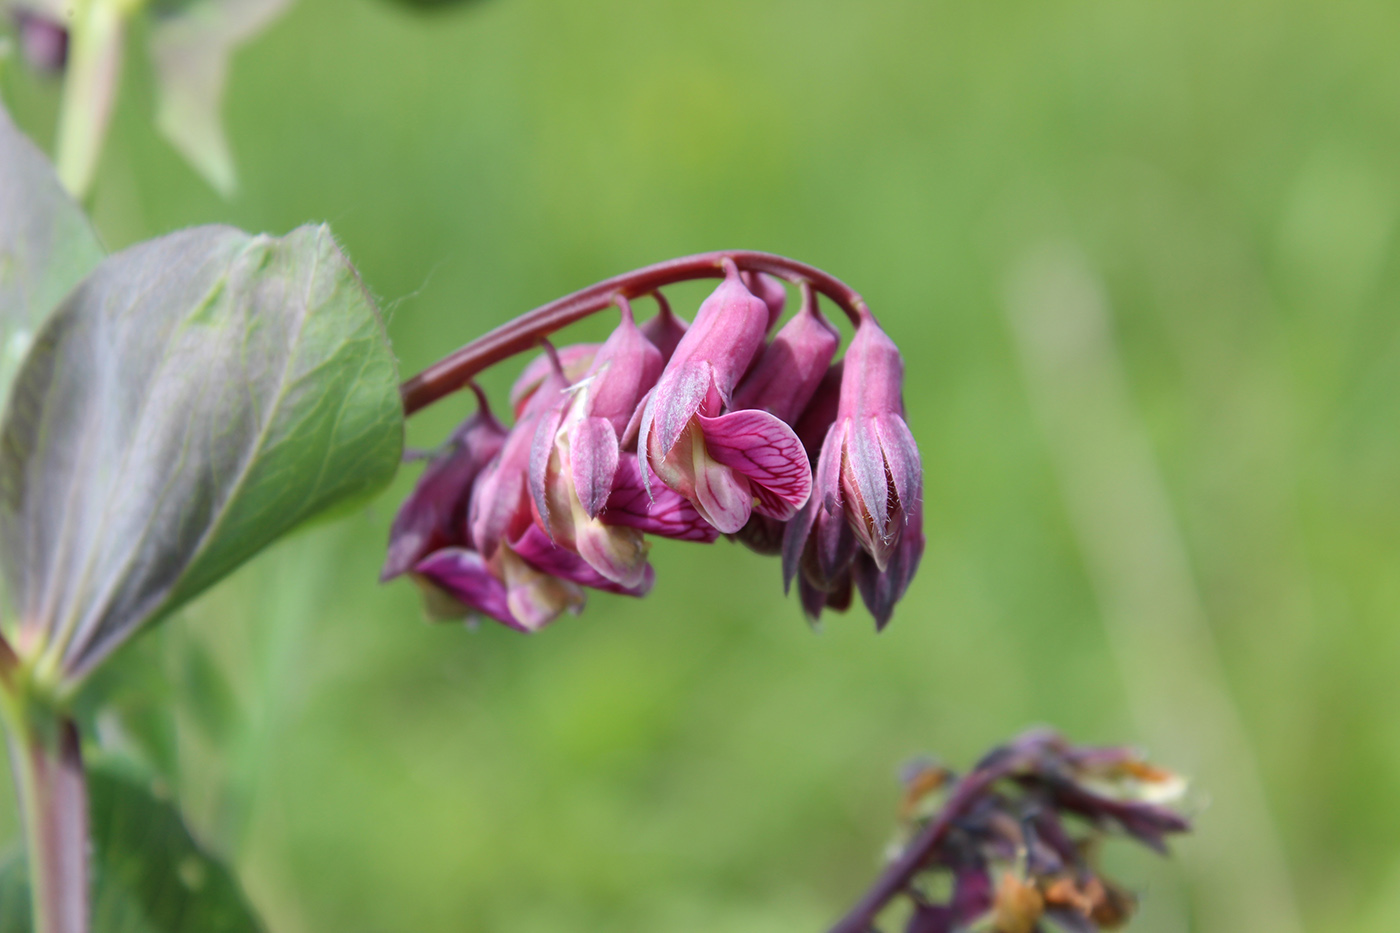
541	450
678	396
536	549
765	451
593	455
723	497
666	513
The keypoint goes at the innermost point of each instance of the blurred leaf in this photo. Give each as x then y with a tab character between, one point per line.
190	48
149	873
196	397
46	245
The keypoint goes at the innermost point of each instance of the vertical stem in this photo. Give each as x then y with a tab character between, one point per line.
89	91
52	792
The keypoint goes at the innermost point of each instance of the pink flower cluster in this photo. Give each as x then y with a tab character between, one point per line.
684	432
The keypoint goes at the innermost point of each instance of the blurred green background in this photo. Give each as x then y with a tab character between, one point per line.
1214	187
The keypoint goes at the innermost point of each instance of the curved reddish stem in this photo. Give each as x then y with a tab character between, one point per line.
453	372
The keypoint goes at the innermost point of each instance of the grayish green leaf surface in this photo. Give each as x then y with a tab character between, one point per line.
149	873
197	396
191	48
46	245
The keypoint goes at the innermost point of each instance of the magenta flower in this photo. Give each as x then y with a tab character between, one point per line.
576	450
727	463
869	465
684	432
868	488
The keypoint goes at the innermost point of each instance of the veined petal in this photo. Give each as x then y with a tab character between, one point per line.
722	497
664	512
758	446
593	459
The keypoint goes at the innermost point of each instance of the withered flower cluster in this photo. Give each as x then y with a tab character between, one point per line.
1011	847
684	431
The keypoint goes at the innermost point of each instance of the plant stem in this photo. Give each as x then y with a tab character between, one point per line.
899	873
89	91
455	371
52	795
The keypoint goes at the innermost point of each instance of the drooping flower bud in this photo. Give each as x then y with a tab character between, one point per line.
500	506
880	589
434	515
770	291
576	450
727	464
869	461
665	329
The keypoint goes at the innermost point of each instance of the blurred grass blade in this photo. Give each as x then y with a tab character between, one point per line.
1152	611
46	246
149	873
196	397
191	48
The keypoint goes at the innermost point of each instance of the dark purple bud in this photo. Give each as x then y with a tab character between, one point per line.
869	460
435	514
881	589
464	576
762	535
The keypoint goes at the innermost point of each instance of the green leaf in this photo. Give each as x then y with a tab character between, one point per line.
46	246
149	874
191	48
196	397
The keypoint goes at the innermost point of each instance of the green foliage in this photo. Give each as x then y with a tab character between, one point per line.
46	246
191	45
196	397
149	874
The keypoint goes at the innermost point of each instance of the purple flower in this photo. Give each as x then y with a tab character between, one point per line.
434	515
685	432
576	450
869	480
728	463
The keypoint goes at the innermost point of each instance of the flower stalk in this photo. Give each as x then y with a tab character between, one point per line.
52	794
525	332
